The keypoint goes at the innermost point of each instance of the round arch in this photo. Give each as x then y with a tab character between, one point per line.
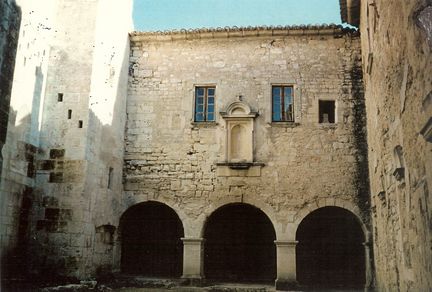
150	238
214	206
343	204
330	251
239	244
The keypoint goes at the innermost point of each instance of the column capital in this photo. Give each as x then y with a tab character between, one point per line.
192	240
286	242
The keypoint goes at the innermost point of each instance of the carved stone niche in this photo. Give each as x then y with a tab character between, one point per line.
239	159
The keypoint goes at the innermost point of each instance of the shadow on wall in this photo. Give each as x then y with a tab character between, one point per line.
10	23
110	205
16	201
17	193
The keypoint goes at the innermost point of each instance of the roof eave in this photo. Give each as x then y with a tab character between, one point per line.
235	32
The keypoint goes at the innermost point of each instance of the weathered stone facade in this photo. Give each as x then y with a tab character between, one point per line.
396	50
301	166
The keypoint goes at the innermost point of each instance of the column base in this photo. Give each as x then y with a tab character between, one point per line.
286	285
192	281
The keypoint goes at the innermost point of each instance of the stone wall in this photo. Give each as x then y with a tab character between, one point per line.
306	165
396	49
81	138
20	146
68	101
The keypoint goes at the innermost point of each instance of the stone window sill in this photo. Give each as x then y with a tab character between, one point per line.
204	124
240	165
328	125
284	124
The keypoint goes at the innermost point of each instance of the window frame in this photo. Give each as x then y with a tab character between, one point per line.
205	112
283	86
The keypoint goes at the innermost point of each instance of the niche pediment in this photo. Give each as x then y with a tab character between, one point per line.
238	109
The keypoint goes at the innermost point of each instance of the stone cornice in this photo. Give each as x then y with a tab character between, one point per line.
241	32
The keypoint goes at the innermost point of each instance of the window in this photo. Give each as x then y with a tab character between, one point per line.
204	104
110	177
59	97
282	104
326	111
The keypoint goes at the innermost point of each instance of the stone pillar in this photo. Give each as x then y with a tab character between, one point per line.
368	267
286	264
116	259
193	267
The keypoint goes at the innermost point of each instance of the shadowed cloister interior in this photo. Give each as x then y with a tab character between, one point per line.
330	251
151	243
239	245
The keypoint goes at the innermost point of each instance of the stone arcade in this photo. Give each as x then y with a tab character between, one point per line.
238	155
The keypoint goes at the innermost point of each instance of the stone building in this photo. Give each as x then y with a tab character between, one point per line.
396	41
237	152
233	155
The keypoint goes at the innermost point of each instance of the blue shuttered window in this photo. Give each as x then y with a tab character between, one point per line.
282	104
204	104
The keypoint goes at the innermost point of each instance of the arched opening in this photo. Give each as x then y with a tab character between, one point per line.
330	251
239	245
151	243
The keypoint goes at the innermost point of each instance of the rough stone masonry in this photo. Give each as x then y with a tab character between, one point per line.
101	146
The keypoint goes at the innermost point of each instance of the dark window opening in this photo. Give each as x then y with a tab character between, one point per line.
204	104
330	251
80	124
151	243
282	104
110	177
239	245
327	111
105	234
60	97
69	114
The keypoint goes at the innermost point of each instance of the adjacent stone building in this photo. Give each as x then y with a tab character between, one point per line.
234	155
68	99
397	68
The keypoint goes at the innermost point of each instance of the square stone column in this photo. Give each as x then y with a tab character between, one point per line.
286	265
193	256
368	267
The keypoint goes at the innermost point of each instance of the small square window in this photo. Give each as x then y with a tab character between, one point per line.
282	103
327	111
204	104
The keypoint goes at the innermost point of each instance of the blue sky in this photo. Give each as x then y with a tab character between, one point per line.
152	15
